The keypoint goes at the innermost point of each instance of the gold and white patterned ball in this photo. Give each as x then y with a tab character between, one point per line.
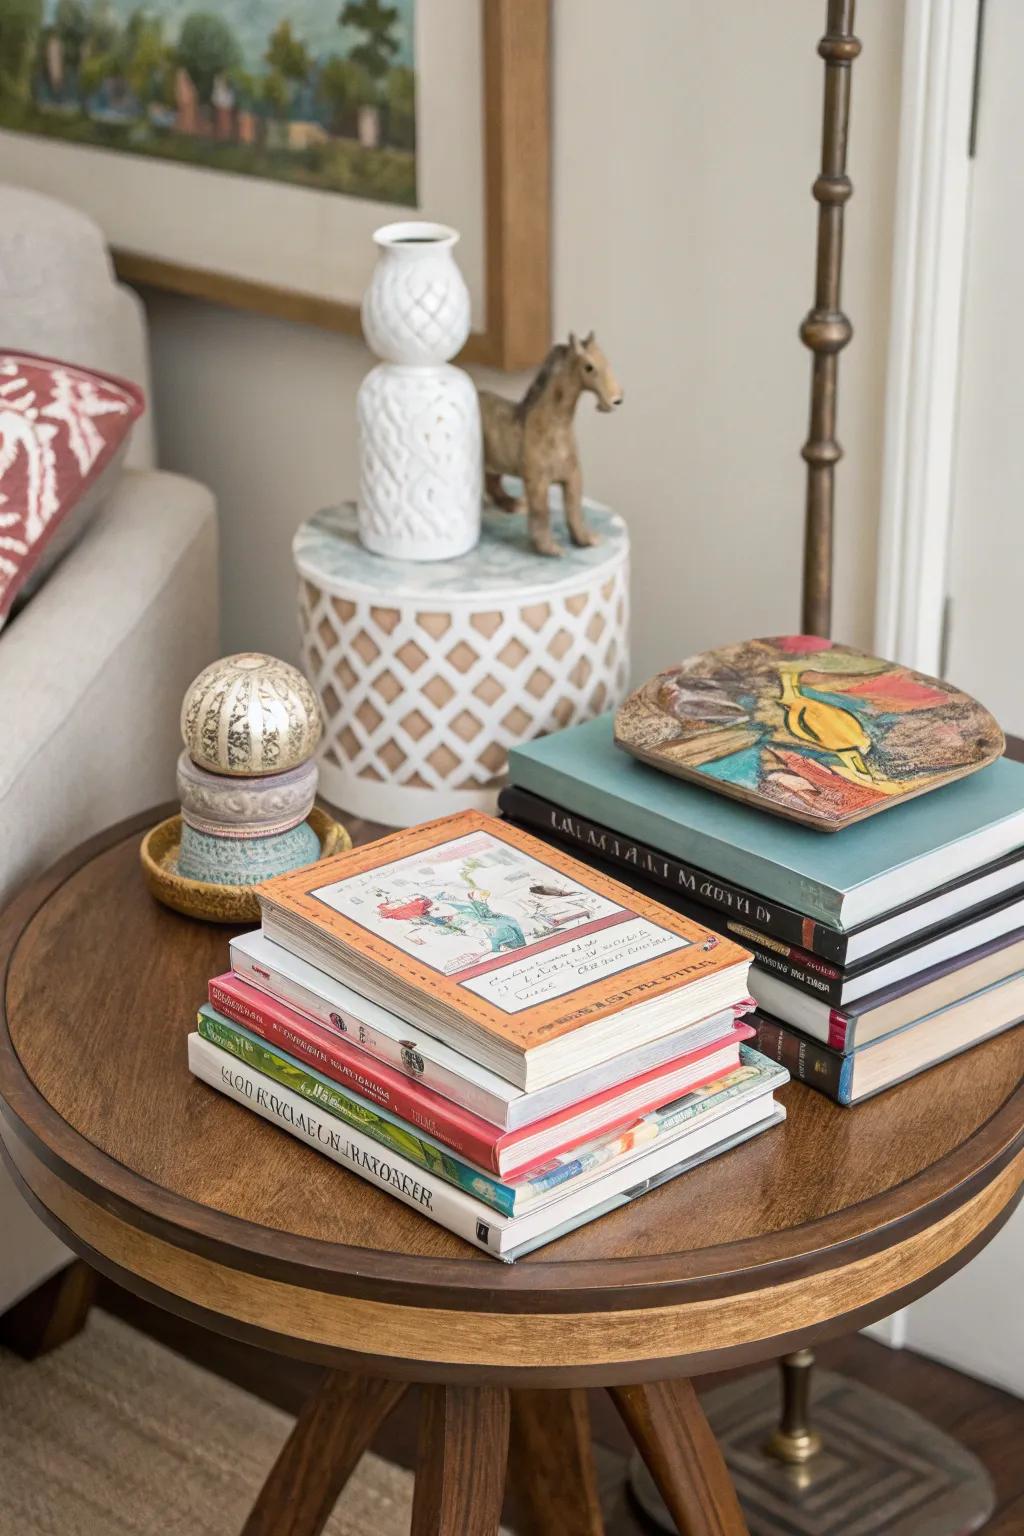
250	714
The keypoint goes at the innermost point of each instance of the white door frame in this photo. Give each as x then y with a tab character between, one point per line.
933	181
929	256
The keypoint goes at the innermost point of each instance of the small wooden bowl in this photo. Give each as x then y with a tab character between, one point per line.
158	852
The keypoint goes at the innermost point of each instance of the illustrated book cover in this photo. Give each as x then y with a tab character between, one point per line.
478	924
641	865
340	1013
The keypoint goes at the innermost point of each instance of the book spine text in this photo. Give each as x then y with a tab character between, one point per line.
449	1207
808	973
806	1060
232	1037
583	836
394	1052
365	1074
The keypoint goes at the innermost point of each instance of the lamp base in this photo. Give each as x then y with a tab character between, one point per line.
881	1466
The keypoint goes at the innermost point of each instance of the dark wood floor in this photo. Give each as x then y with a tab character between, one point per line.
988	1422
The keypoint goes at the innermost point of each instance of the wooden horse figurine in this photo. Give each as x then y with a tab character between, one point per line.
534	438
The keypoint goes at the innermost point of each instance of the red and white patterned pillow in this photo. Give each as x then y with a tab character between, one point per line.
63	431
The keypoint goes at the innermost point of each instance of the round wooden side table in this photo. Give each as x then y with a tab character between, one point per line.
812	1230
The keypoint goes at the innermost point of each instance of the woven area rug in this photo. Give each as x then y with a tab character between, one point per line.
113	1435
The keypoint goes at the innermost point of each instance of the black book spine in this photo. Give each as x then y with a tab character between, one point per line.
684	879
806	1060
793	966
796	967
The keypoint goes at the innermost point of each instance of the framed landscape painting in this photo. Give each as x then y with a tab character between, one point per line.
245	150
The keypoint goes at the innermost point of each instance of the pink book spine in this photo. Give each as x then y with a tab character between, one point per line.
468	1135
471	1137
655	1094
838	1024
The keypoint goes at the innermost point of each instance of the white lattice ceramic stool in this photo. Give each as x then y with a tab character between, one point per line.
428	674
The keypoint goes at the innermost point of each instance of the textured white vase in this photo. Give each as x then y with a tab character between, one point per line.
421	453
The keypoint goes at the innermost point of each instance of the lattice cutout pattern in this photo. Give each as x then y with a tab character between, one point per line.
421	462
433	698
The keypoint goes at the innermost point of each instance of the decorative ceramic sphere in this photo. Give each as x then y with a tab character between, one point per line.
250	715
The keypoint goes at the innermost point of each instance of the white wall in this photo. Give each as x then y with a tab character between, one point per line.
686	139
974	1321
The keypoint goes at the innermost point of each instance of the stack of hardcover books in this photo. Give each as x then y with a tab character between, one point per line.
878	951
488	1029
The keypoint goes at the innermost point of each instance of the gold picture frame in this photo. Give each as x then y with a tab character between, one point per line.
517	158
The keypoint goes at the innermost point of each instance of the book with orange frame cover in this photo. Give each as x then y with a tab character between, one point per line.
503	946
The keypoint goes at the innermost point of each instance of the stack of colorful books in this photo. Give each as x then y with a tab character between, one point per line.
483	1026
879	950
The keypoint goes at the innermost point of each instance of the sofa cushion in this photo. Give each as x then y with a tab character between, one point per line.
63	431
59	298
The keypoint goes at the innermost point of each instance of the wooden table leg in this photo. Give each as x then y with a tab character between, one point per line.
51	1314
460	1469
675	1440
319	1456
551	1466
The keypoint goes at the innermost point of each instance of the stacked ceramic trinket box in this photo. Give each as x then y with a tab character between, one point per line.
246	779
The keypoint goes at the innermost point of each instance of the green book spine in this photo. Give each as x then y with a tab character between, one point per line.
354	1111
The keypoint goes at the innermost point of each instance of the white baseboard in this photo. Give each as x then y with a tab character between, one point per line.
889	1330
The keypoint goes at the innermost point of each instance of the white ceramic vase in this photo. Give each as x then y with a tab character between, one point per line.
421	450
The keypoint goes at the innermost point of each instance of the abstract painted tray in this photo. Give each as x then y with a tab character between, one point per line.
820	733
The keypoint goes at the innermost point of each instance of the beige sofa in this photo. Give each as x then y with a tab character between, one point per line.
92	670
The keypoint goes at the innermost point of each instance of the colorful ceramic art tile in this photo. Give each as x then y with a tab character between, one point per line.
804	728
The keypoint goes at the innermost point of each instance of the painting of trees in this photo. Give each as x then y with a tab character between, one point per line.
144	59
289	64
342	86
379	45
19	25
71	24
373	53
103	27
400	102
207	47
313	94
287	53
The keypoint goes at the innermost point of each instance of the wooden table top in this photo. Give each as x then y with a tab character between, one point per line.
817	1226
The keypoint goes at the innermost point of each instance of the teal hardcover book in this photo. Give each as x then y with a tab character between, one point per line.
841	878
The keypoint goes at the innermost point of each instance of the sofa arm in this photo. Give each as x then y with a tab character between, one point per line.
92	673
93	669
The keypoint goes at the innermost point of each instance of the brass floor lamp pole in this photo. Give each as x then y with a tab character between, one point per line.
826	330
877	1466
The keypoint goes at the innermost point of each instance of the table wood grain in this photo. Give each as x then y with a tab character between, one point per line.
811	1229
